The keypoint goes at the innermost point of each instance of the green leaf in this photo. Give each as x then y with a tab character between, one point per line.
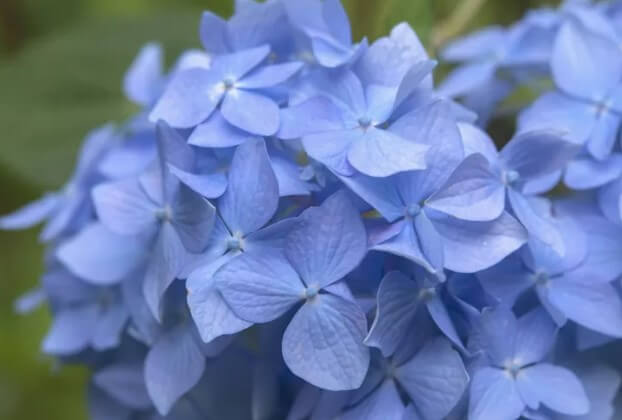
65	85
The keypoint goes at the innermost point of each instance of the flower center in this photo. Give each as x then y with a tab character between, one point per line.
541	278
312	291
413	210
365	122
235	242
510	177
229	83
164	214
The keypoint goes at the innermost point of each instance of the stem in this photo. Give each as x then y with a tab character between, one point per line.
456	22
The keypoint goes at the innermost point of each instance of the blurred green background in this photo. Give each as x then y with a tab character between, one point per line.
61	66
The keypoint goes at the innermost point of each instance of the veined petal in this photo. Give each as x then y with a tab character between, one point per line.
269	76
323	344
251	112
494	396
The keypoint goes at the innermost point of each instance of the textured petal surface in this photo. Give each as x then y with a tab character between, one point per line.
323	344
494	396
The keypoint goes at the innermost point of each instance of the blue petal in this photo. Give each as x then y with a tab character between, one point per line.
555	387
331	148
435	379
143	80
382	194
100	256
432	124
209	185
494	396
535	336
238	64
173	366
110	326
193	219
538	225
323	344
413	79
210	312
189	98
494	334
474	246
315	115
596	306
214	33
508	280
395	310
604	136
537	153
71	330
476	140
475	45
585	64
383	403
406	244
332	242
32	214
467	78
380	153
164	266
388	59
472	192
259	287
272	238
269	76
556	111
440	315
251	112
252	196
586	173
124	208
126	383
217	132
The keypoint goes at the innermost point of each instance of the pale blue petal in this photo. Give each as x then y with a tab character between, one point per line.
467	78
269	76
164	266
238	64
100	256
214	33
217	132
323	344
476	140
252	196
537	153
382	194
475	45
315	115
555	387
494	396
474	246
586	173
143	80
331	148
174	365
435	379
126	383
332	242
209	185
536	224
124	208
604	135
596	306
71	330
395	310
585	64
193	219
210	312
495	334
31	214
251	112
472	192
535	335
110	326
380	153
189	99
259	287
384	403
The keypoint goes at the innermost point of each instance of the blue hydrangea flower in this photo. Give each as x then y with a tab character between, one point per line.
513	374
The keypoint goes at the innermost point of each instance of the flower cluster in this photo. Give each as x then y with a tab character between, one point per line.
299	226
